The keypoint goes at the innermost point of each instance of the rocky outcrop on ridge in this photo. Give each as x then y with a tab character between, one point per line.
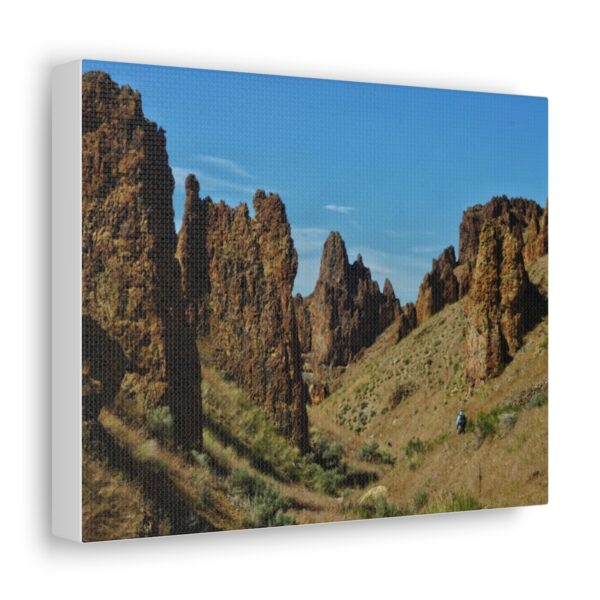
407	321
440	286
536	244
131	280
515	213
238	274
502	303
347	309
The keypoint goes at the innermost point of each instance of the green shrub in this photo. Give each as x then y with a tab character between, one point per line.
368	451
454	502
328	454
378	508
371	453
267	505
329	482
159	421
538	399
420	500
414	451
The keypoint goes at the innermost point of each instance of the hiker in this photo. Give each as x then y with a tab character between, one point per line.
461	422
146	529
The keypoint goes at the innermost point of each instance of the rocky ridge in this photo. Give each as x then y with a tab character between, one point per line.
131	280
238	273
346	311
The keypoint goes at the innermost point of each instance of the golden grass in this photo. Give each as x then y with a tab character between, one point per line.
195	484
113	507
509	468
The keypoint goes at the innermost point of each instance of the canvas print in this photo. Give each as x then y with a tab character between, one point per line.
308	301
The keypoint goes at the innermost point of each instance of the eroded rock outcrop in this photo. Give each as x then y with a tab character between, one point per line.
407	321
238	274
347	309
131	280
536	244
440	286
502	304
103	368
515	213
302	308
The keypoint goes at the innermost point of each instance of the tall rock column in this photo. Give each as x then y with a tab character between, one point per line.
440	286
496	305
347	309
131	280
238	275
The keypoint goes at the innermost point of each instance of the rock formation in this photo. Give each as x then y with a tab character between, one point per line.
131	280
238	275
302	308
439	287
502	303
103	368
536	244
347	309
515	213
407	321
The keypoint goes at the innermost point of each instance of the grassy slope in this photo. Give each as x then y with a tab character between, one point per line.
508	468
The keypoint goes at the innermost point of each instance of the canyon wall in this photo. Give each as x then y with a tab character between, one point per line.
131	280
347	310
238	273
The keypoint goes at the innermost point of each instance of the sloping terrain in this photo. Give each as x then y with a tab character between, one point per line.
405	397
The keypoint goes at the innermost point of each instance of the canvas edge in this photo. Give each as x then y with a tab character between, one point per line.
66	302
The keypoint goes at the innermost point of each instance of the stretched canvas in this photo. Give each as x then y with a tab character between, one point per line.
282	301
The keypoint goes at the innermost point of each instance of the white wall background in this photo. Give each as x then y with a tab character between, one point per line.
511	46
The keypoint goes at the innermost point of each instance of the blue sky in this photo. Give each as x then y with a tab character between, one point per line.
389	167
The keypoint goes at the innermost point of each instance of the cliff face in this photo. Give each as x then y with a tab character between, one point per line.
103	368
515	213
407	321
537	238
502	303
347	309
131	279
238	275
440	286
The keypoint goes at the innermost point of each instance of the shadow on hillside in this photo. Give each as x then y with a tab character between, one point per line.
228	439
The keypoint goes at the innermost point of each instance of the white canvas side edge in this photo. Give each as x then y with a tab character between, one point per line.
66	302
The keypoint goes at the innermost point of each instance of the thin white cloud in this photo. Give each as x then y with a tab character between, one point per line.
344	210
425	249
224	164
213	185
405	271
309	240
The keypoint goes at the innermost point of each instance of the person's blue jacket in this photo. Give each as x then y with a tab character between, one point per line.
461	419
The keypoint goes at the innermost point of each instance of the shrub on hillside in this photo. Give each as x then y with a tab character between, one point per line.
371	453
538	399
420	500
414	451
267	505
159	422
453	502
378	508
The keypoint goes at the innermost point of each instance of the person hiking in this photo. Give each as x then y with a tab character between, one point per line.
461	422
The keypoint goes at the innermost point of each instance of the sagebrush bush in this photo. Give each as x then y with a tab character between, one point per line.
159	422
378	508
453	502
267	505
420	500
371	453
414	451
538	399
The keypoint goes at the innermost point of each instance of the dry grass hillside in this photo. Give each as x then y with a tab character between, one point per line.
383	444
405	397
